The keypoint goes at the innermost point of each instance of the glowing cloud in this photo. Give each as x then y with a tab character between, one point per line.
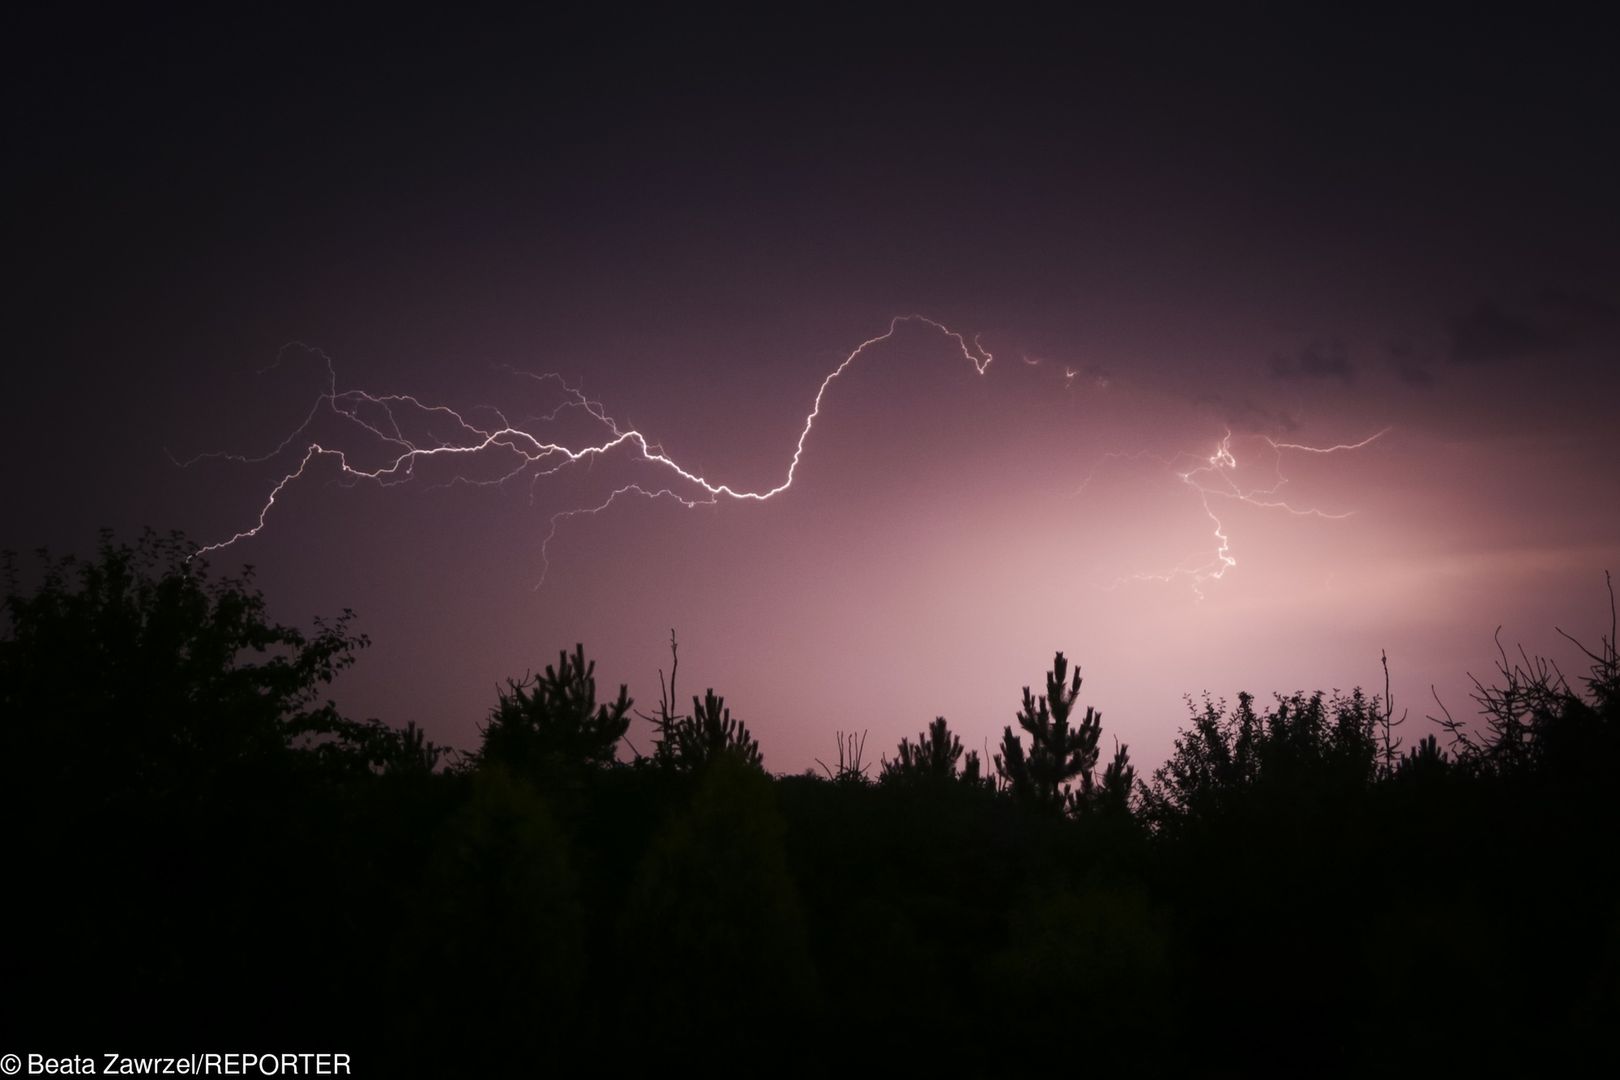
1212	477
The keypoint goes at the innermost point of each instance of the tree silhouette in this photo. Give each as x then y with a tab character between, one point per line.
689	742
1115	793
552	721
1214	760
402	750
161	727
139	670
1058	752
160	724
932	758
709	732
666	722
1306	753
1422	764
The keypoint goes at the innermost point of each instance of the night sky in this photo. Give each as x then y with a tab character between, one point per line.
1300	234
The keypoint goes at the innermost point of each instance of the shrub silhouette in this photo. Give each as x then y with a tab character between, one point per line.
850	771
1535	721
1305	750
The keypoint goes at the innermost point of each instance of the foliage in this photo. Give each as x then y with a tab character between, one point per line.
688	742
931	759
137	669
710	732
551	722
1058	753
1116	793
1305	748
1292	886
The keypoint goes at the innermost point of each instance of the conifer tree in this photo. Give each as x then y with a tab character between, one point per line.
710	732
933	756
1115	792
1058	752
691	741
552	720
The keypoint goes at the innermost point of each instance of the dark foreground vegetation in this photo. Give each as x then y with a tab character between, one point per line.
202	853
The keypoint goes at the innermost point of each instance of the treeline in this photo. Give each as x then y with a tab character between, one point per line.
202	847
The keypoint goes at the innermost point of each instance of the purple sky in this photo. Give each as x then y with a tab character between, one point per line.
1299	233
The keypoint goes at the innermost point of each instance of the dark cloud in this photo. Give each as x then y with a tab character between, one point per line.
1493	333
1318	360
1247	415
1583	308
1548	323
1410	367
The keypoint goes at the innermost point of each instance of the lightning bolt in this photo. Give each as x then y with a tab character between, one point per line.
444	432
383	417
1212	477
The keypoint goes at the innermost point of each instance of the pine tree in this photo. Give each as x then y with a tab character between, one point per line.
1115	793
1058	752
710	732
553	720
689	742
933	756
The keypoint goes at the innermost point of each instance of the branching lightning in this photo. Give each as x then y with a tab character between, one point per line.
379	416
1212	477
518	451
